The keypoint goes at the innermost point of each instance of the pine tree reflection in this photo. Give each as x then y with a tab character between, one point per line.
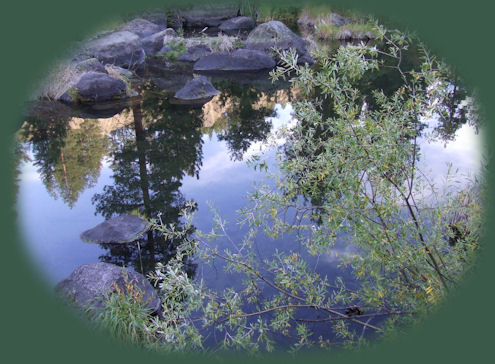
149	160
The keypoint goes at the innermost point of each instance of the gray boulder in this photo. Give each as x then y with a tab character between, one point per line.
153	43
194	53
239	60
91	284
276	34
141	27
95	87
121	48
237	24
118	230
198	88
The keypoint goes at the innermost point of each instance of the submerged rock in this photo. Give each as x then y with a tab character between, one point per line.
91	284
198	88
117	230
237	24
276	34
121	48
239	60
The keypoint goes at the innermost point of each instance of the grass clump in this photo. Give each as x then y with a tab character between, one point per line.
126	317
178	46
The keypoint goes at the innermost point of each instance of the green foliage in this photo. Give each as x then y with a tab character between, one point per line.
126	317
249	8
178	47
352	174
286	14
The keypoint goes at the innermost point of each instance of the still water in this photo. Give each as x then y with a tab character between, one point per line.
79	167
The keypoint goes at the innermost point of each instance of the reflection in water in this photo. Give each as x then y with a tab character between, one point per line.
146	157
149	147
68	160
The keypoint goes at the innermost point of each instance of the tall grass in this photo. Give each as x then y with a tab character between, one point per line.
126	317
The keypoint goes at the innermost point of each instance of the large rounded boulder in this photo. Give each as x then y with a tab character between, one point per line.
239	60
95	87
275	34
121	48
90	285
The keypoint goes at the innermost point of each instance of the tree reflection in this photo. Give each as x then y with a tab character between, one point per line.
68	159
247	121
149	160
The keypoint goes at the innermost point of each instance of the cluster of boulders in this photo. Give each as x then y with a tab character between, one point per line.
100	70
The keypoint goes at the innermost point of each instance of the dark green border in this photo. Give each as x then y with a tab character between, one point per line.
35	328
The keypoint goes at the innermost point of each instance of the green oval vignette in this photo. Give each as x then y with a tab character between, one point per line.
38	322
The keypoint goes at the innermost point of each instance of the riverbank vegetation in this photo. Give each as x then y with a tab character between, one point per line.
349	171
